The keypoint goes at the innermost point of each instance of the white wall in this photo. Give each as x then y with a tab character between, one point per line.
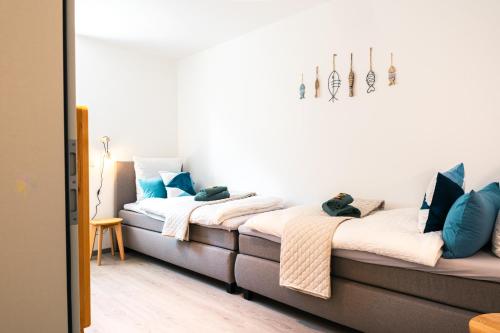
132	98
241	122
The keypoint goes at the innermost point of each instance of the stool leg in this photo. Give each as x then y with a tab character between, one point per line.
92	232
119	239
99	246
111	241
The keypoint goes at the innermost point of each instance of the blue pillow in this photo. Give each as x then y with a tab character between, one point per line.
470	222
181	180
492	193
153	188
444	189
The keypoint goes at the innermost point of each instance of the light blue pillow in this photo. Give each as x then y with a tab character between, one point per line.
153	188
470	221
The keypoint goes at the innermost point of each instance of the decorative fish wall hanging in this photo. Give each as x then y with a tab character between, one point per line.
302	89
392	74
334	82
316	83
370	77
351	80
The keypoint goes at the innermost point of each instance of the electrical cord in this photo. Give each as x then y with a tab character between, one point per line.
100	184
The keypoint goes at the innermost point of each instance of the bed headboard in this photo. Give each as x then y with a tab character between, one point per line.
125	191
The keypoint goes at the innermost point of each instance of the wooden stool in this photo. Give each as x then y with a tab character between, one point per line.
100	226
485	323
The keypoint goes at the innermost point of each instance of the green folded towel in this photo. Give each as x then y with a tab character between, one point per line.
340	201
202	196
214	190
339	206
346	211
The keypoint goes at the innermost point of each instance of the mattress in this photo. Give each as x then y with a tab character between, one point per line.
482	266
467	293
230	224
227	239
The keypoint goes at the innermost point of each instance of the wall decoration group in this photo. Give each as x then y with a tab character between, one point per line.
335	81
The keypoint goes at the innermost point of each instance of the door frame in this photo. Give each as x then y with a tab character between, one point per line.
69	115
84	247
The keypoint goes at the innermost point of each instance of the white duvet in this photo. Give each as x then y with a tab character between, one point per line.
392	233
217	214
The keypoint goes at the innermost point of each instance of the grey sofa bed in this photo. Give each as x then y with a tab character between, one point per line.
210	251
370	297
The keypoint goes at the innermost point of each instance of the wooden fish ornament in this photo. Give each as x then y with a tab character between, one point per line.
316	83
351	80
334	82
392	74
302	89
370	77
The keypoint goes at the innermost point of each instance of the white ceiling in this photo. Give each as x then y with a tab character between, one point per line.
179	27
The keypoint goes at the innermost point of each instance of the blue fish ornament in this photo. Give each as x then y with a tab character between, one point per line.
302	89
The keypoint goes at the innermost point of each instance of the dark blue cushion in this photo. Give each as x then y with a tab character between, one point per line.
444	189
470	222
153	188
182	181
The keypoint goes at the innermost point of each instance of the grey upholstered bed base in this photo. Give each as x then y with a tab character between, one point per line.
356	305
469	294
211	236
212	261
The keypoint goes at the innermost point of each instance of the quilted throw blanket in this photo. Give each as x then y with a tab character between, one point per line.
178	214
306	247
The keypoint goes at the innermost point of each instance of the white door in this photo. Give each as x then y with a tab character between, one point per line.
33	220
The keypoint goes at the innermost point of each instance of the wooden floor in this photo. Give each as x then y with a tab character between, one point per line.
146	295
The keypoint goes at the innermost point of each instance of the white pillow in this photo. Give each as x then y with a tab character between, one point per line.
167	176
149	167
496	238
173	192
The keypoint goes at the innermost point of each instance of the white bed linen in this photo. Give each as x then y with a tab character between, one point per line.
135	207
392	233
229	225
226	215
215	214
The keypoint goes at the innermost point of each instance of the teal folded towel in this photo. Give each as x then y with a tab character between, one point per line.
339	206
214	190
340	201
346	211
204	195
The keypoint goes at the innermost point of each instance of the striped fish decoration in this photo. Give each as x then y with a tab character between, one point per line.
392	74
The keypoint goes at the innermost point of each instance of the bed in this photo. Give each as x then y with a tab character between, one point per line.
373	293
211	251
